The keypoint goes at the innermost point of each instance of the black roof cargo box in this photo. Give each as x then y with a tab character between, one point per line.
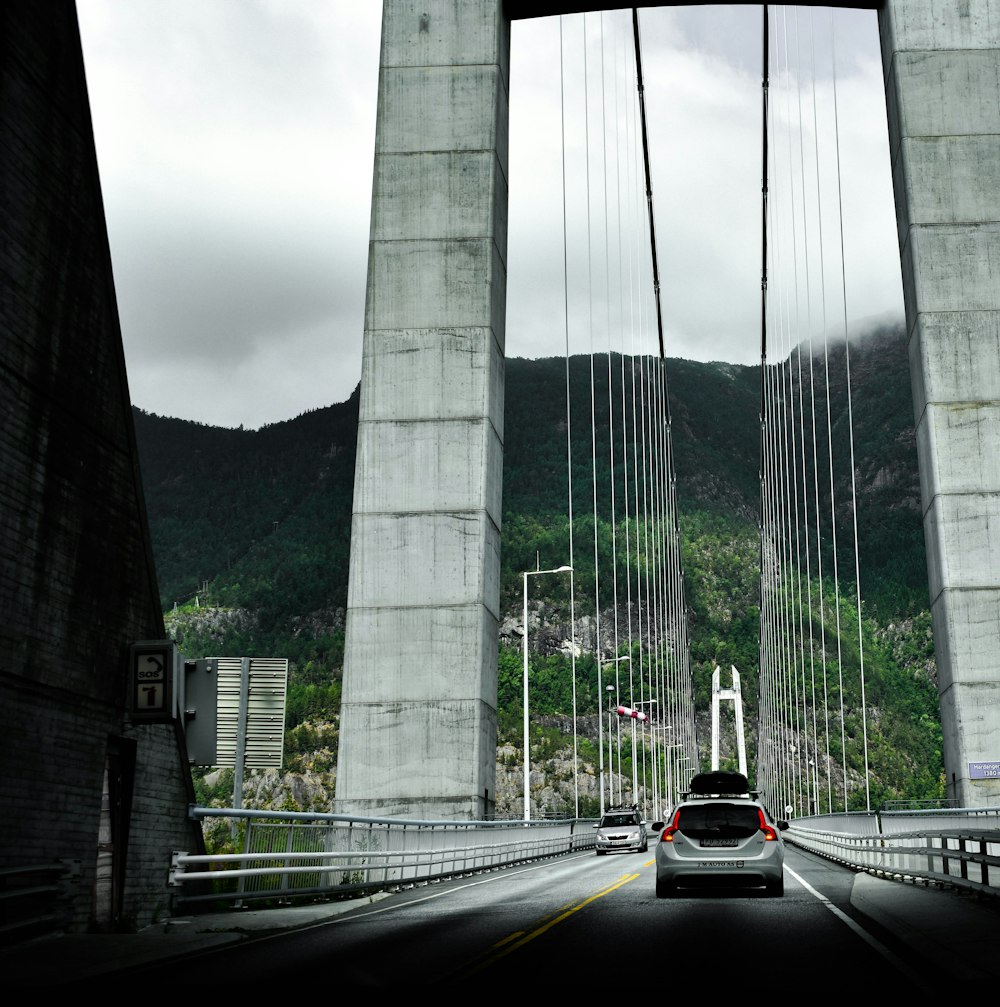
720	781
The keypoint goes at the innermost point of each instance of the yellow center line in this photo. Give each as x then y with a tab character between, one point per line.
519	938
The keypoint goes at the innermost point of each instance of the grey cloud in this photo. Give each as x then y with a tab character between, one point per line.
236	148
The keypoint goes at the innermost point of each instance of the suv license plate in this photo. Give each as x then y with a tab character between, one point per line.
718	842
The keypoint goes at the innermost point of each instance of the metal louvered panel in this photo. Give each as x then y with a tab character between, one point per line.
264	711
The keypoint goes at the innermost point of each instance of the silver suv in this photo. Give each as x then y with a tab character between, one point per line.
621	830
720	835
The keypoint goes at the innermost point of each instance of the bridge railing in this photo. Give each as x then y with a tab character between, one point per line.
855	823
290	855
939	819
955	847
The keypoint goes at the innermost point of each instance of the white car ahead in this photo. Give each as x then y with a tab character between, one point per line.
621	830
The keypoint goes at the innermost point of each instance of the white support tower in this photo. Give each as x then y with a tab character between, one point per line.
718	694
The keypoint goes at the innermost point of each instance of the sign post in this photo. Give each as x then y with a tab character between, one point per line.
201	711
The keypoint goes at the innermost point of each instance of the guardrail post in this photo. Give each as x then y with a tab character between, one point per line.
289	848
247	848
173	880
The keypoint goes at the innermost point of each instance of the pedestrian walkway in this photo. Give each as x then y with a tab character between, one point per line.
63	958
959	932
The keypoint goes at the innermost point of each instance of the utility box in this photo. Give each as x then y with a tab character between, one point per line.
201	711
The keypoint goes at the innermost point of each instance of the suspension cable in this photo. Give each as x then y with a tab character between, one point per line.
850	417
763	660
649	188
569	437
816	495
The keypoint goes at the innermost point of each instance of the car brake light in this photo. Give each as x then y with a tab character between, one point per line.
668	832
769	833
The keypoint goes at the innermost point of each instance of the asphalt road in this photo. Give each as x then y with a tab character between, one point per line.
580	924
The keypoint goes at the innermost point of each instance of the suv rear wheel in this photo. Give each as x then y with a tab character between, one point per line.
776	888
665	889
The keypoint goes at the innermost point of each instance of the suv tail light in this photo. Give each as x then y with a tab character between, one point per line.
769	832
668	832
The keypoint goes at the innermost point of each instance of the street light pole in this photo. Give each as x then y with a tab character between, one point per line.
658	755
670	764
635	779
686	770
600	741
610	691
527	760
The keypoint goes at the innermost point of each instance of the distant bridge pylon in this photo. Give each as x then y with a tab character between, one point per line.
736	696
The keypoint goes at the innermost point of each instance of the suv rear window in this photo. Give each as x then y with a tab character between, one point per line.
734	821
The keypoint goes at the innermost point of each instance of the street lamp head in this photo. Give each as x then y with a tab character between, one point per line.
558	569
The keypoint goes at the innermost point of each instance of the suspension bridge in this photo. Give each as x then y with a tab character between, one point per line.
423	601
78	582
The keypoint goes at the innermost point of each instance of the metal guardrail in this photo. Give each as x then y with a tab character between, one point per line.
939	819
854	823
873	823
919	805
291	855
965	858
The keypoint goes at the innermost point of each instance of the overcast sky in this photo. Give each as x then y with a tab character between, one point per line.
235	140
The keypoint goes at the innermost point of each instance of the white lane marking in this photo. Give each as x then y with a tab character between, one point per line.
858	929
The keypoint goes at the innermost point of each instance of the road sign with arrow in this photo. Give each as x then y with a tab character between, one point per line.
152	680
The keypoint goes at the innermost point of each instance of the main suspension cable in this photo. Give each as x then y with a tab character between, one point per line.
649	188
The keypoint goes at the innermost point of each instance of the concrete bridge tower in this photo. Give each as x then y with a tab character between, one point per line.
942	85
418	711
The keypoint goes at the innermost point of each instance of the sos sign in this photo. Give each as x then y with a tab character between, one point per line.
152	666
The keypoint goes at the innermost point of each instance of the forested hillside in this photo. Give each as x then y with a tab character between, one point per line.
251	532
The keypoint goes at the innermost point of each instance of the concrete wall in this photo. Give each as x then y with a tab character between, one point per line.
77	583
942	80
418	712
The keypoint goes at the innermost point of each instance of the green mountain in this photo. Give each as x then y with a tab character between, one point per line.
251	532
235	508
